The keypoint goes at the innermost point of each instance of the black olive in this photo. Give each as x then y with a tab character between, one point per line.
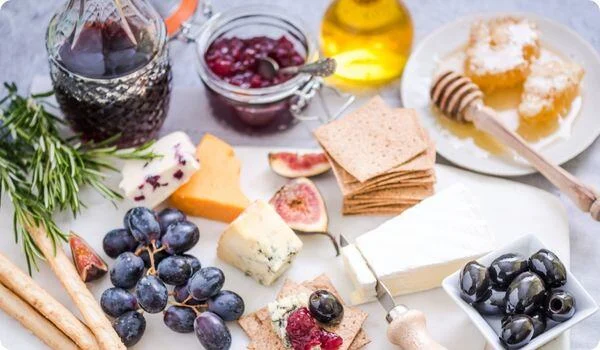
505	269
560	306
517	331
325	307
525	294
538	318
549	267
475	284
539	322
494	305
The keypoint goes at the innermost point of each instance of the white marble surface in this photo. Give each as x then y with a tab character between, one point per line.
22	56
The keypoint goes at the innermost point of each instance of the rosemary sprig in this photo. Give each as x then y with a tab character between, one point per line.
42	172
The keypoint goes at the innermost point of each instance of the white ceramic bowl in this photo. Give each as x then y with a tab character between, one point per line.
490	327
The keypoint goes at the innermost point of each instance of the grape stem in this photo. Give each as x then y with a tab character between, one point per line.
196	308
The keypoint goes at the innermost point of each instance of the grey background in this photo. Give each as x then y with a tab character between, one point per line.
23	56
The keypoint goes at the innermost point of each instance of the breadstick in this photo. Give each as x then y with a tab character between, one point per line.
88	306
27	289
36	323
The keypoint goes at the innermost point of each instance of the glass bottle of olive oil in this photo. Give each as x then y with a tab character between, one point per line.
370	39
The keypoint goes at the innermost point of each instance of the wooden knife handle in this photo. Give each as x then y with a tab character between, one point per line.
583	196
408	330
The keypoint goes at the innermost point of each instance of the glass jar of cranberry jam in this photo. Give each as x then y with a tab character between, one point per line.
227	49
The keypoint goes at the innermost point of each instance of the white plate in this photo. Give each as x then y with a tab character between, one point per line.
417	78
510	208
490	327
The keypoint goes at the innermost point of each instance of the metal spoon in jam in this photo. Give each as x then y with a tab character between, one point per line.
268	68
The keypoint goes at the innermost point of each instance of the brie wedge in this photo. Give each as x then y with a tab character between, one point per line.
362	278
416	250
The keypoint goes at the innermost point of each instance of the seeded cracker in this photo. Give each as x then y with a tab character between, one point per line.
373	139
258	324
422	162
424	177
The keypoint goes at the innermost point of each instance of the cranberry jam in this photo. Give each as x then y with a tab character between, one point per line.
228	50
235	60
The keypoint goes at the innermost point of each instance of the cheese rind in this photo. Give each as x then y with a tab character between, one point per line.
149	183
416	250
362	278
259	243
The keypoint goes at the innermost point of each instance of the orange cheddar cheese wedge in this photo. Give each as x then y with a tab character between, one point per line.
214	191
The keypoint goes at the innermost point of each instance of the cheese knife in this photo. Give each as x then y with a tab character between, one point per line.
407	327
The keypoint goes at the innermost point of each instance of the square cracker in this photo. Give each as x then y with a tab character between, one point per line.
373	139
424	161
323	282
415	193
422	180
258	324
379	211
384	181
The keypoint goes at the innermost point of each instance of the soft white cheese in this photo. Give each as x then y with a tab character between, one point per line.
416	250
149	183
259	243
281	309
361	276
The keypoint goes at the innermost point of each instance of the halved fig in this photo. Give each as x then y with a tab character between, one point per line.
87	262
294	165
301	206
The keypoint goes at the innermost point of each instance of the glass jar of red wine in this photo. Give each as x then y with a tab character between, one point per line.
110	69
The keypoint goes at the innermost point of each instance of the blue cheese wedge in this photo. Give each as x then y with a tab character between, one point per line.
259	243
362	278
280	310
149	183
416	250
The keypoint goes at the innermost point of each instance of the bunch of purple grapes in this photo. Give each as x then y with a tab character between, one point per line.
150	254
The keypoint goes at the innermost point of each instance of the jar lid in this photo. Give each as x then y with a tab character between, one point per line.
175	12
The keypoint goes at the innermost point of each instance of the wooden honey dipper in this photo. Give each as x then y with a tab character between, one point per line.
460	99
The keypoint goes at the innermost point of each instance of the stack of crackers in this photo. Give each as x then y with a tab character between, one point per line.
382	158
259	327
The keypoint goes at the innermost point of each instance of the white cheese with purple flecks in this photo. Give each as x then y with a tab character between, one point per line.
149	183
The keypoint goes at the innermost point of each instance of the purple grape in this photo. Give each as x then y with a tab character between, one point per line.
179	318
212	332
227	304
130	327
181	294
117	301
194	262
168	216
118	241
143	224
174	270
206	283
180	237
127	270
152	294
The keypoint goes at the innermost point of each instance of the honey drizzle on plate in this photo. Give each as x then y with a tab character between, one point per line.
505	102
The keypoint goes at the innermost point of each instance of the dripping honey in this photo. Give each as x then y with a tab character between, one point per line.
370	39
505	102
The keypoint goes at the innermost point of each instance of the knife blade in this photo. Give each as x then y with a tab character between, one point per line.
385	298
407	327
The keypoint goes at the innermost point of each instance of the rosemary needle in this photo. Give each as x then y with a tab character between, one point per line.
42	171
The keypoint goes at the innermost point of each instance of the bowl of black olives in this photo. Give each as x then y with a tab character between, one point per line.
520	296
